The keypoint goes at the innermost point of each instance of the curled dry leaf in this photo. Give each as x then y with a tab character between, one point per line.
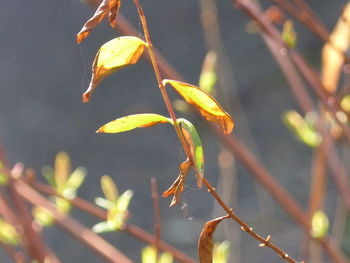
106	6
113	55
132	122
205	244
195	144
178	186
332	53
204	102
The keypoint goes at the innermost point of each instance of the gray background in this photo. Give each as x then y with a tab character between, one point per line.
43	74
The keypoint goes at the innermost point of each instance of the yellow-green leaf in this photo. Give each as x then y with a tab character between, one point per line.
345	103
113	55
288	34
195	145
221	252
148	255
109	188
207	79
43	216
62	170
131	122
319	224
205	244
8	233
204	102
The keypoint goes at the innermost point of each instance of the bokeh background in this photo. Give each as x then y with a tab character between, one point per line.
44	73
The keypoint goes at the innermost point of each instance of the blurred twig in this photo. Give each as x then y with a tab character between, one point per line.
156	212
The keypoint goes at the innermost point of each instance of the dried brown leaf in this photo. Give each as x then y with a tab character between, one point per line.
178	186
106	6
205	244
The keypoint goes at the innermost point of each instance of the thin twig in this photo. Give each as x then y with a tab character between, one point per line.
156	212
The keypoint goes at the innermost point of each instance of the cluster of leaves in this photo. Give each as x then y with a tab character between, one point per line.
65	183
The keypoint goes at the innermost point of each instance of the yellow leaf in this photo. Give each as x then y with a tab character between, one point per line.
111	6
62	170
204	102
205	244
131	122
288	34
109	188
113	55
332	57
319	224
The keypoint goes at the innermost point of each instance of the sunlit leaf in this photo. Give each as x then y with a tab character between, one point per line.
132	121
113	55
148	255
104	203
104	226
204	102
3	177
304	130
118	213
345	103
63	205
43	216
319	224
208	76
74	182
178	186
205	244
109	188
332	53
106	6
221	252
62	170
8	234
195	145
288	34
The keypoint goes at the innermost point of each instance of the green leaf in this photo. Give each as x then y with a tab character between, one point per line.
221	252
104	203
208	77
288	34
113	55
204	102
148	255
195	144
74	182
132	121
49	175
104	227
43	216
8	234
319	224
118	213
109	188
303	129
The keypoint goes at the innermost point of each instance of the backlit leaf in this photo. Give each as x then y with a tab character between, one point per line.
195	145
221	252
204	102
119	212
332	57
104	203
319	224
148	255
345	103
8	233
113	55
131	122
207	79
103	227
49	175
3	177
106	6
62	170
109	188
74	182
205	244
43	216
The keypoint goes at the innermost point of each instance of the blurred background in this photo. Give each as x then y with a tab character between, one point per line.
44	73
